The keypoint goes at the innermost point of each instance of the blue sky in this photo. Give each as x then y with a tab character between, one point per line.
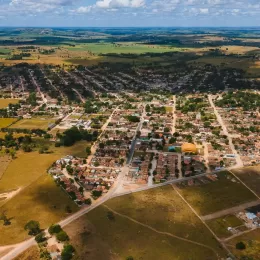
129	13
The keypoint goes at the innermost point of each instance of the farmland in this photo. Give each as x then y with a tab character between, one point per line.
4	102
219	195
5	122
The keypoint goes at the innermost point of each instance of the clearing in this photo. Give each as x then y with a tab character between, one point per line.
31	253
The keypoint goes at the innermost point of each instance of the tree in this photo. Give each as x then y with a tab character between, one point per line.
240	246
40	238
67	252
33	227
88	201
129	258
54	229
62	236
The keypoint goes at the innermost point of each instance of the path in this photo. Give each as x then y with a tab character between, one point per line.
161	232
205	224
229	211
239	162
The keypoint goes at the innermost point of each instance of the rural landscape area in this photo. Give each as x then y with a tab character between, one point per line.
129	143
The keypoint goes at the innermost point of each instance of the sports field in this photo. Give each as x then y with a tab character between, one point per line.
4	102
34	123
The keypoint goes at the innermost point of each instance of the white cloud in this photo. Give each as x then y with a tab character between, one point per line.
107	4
204	10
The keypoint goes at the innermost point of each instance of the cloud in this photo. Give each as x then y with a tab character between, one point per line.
107	4
204	10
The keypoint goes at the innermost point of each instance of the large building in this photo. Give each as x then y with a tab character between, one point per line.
188	148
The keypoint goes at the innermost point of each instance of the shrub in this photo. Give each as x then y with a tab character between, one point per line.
240	246
40	238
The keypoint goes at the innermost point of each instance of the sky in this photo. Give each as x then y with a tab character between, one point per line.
140	13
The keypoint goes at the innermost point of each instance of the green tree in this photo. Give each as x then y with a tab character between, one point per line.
33	227
40	238
54	229
62	236
67	252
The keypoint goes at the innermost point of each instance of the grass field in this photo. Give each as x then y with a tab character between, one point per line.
4	162
31	253
42	201
39	193
4	102
4	122
250	176
218	195
252	242
97	237
34	123
28	167
220	225
135	48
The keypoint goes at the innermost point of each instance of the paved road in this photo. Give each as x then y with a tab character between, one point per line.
233	210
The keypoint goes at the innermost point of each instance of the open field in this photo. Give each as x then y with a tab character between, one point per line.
130	47
252	242
99	238
21	171
39	192
175	216
4	162
31	253
4	122
250	176
215	196
34	123
42	201
220	225
4	102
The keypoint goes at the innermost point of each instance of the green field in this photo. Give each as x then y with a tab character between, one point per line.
218	195
5	122
135	48
220	225
4	102
162	210
34	123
